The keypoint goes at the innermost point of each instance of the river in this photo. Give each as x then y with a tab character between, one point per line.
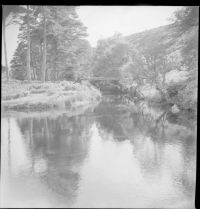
115	155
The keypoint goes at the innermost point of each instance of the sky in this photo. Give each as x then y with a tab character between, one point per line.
105	21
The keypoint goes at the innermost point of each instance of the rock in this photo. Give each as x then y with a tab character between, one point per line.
175	109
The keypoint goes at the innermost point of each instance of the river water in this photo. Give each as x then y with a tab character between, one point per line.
114	155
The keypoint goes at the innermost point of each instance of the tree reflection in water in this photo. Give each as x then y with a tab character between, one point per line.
155	139
58	149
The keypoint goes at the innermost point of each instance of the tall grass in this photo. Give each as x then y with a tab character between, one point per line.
39	97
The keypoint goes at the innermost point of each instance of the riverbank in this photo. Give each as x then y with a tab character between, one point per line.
40	97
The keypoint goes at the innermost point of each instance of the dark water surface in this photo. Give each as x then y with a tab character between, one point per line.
113	156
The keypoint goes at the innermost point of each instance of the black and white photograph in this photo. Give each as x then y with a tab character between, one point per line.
99	106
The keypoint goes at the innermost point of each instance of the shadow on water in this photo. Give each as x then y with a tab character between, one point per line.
58	148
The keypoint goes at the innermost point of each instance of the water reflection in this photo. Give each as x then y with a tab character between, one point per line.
115	157
53	149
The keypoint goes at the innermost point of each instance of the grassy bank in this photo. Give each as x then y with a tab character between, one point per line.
34	97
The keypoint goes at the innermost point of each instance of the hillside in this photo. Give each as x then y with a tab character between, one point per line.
165	34
168	36
171	39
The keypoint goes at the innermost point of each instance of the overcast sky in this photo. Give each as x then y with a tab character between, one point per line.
105	21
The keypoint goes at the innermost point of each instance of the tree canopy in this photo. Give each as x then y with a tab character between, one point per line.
63	31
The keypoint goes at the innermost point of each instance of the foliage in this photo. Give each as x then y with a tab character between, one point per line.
169	48
114	58
109	56
184	94
187	17
63	31
188	22
10	13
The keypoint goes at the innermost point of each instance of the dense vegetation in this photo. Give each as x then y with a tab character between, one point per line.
52	48
148	58
51	44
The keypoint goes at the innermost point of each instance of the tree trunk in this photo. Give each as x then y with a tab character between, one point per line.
55	62
46	75
44	47
41	61
34	67
28	47
5	49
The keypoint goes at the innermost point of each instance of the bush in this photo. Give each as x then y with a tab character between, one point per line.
183	94
174	88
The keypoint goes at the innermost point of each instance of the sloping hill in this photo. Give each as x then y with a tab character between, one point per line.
173	41
165	34
168	36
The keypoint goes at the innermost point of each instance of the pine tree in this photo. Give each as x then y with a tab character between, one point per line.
27	23
54	33
63	31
